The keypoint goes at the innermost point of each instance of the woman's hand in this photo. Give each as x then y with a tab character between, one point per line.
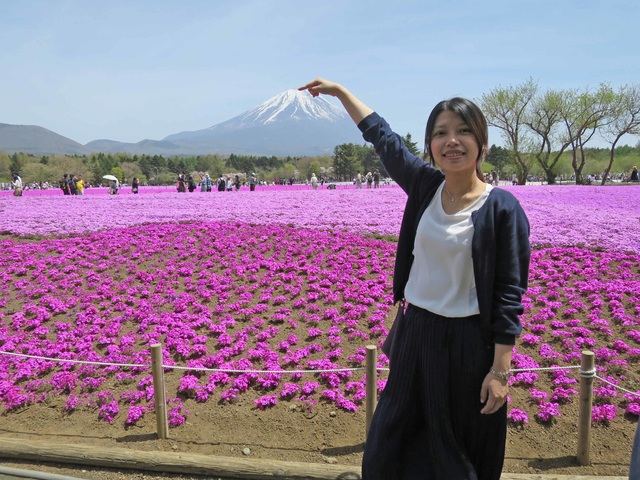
354	107
494	392
320	85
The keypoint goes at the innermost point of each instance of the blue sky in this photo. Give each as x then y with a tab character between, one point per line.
132	70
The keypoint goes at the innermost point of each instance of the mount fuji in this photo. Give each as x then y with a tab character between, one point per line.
291	123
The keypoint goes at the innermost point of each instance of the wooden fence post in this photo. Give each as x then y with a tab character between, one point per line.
372	379
586	398
157	371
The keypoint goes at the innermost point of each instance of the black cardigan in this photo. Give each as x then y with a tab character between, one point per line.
500	247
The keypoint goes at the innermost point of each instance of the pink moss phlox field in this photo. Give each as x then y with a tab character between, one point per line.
571	215
593	216
585	300
212	294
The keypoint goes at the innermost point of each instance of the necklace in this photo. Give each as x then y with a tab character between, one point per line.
452	197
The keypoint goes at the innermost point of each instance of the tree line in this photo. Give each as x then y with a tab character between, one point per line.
347	159
541	127
544	131
155	169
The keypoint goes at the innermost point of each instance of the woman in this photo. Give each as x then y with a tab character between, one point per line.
634	175
17	185
462	265
182	183
237	183
135	184
191	184
358	179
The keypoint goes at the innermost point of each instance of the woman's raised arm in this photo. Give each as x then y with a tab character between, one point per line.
354	107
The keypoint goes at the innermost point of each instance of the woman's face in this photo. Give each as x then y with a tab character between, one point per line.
453	145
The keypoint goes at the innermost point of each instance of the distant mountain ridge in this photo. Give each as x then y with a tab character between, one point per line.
290	123
37	141
148	147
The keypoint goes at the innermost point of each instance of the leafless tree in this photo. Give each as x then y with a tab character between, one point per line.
544	119
624	119
583	113
506	109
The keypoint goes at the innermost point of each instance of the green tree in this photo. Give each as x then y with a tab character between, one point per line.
16	164
285	172
212	164
152	166
313	168
164	178
5	171
61	164
368	158
101	165
307	166
131	170
500	158
118	173
241	163
411	145
345	160
38	172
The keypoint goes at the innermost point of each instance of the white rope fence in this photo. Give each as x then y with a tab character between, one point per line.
198	369
591	373
586	370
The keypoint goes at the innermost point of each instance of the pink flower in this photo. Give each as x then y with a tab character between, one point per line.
518	416
603	413
266	401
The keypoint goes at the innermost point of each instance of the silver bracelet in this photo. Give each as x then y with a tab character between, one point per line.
503	376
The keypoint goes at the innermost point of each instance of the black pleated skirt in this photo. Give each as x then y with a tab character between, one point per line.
428	424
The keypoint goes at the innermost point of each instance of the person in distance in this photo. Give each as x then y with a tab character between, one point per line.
462	266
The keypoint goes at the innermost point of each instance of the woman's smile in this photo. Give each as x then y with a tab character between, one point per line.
453	144
453	154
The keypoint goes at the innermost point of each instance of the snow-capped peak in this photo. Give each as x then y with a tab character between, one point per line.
293	104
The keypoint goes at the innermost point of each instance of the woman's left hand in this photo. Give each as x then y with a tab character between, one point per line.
494	393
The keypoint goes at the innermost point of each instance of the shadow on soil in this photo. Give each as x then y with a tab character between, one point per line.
551	463
339	451
137	438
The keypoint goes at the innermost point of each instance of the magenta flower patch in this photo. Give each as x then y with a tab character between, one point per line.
212	312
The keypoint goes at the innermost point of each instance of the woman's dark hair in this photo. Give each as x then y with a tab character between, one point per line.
471	115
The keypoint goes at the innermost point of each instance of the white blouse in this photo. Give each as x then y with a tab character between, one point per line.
441	278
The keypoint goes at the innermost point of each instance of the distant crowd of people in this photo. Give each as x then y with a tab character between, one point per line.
72	185
208	184
371	179
75	185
